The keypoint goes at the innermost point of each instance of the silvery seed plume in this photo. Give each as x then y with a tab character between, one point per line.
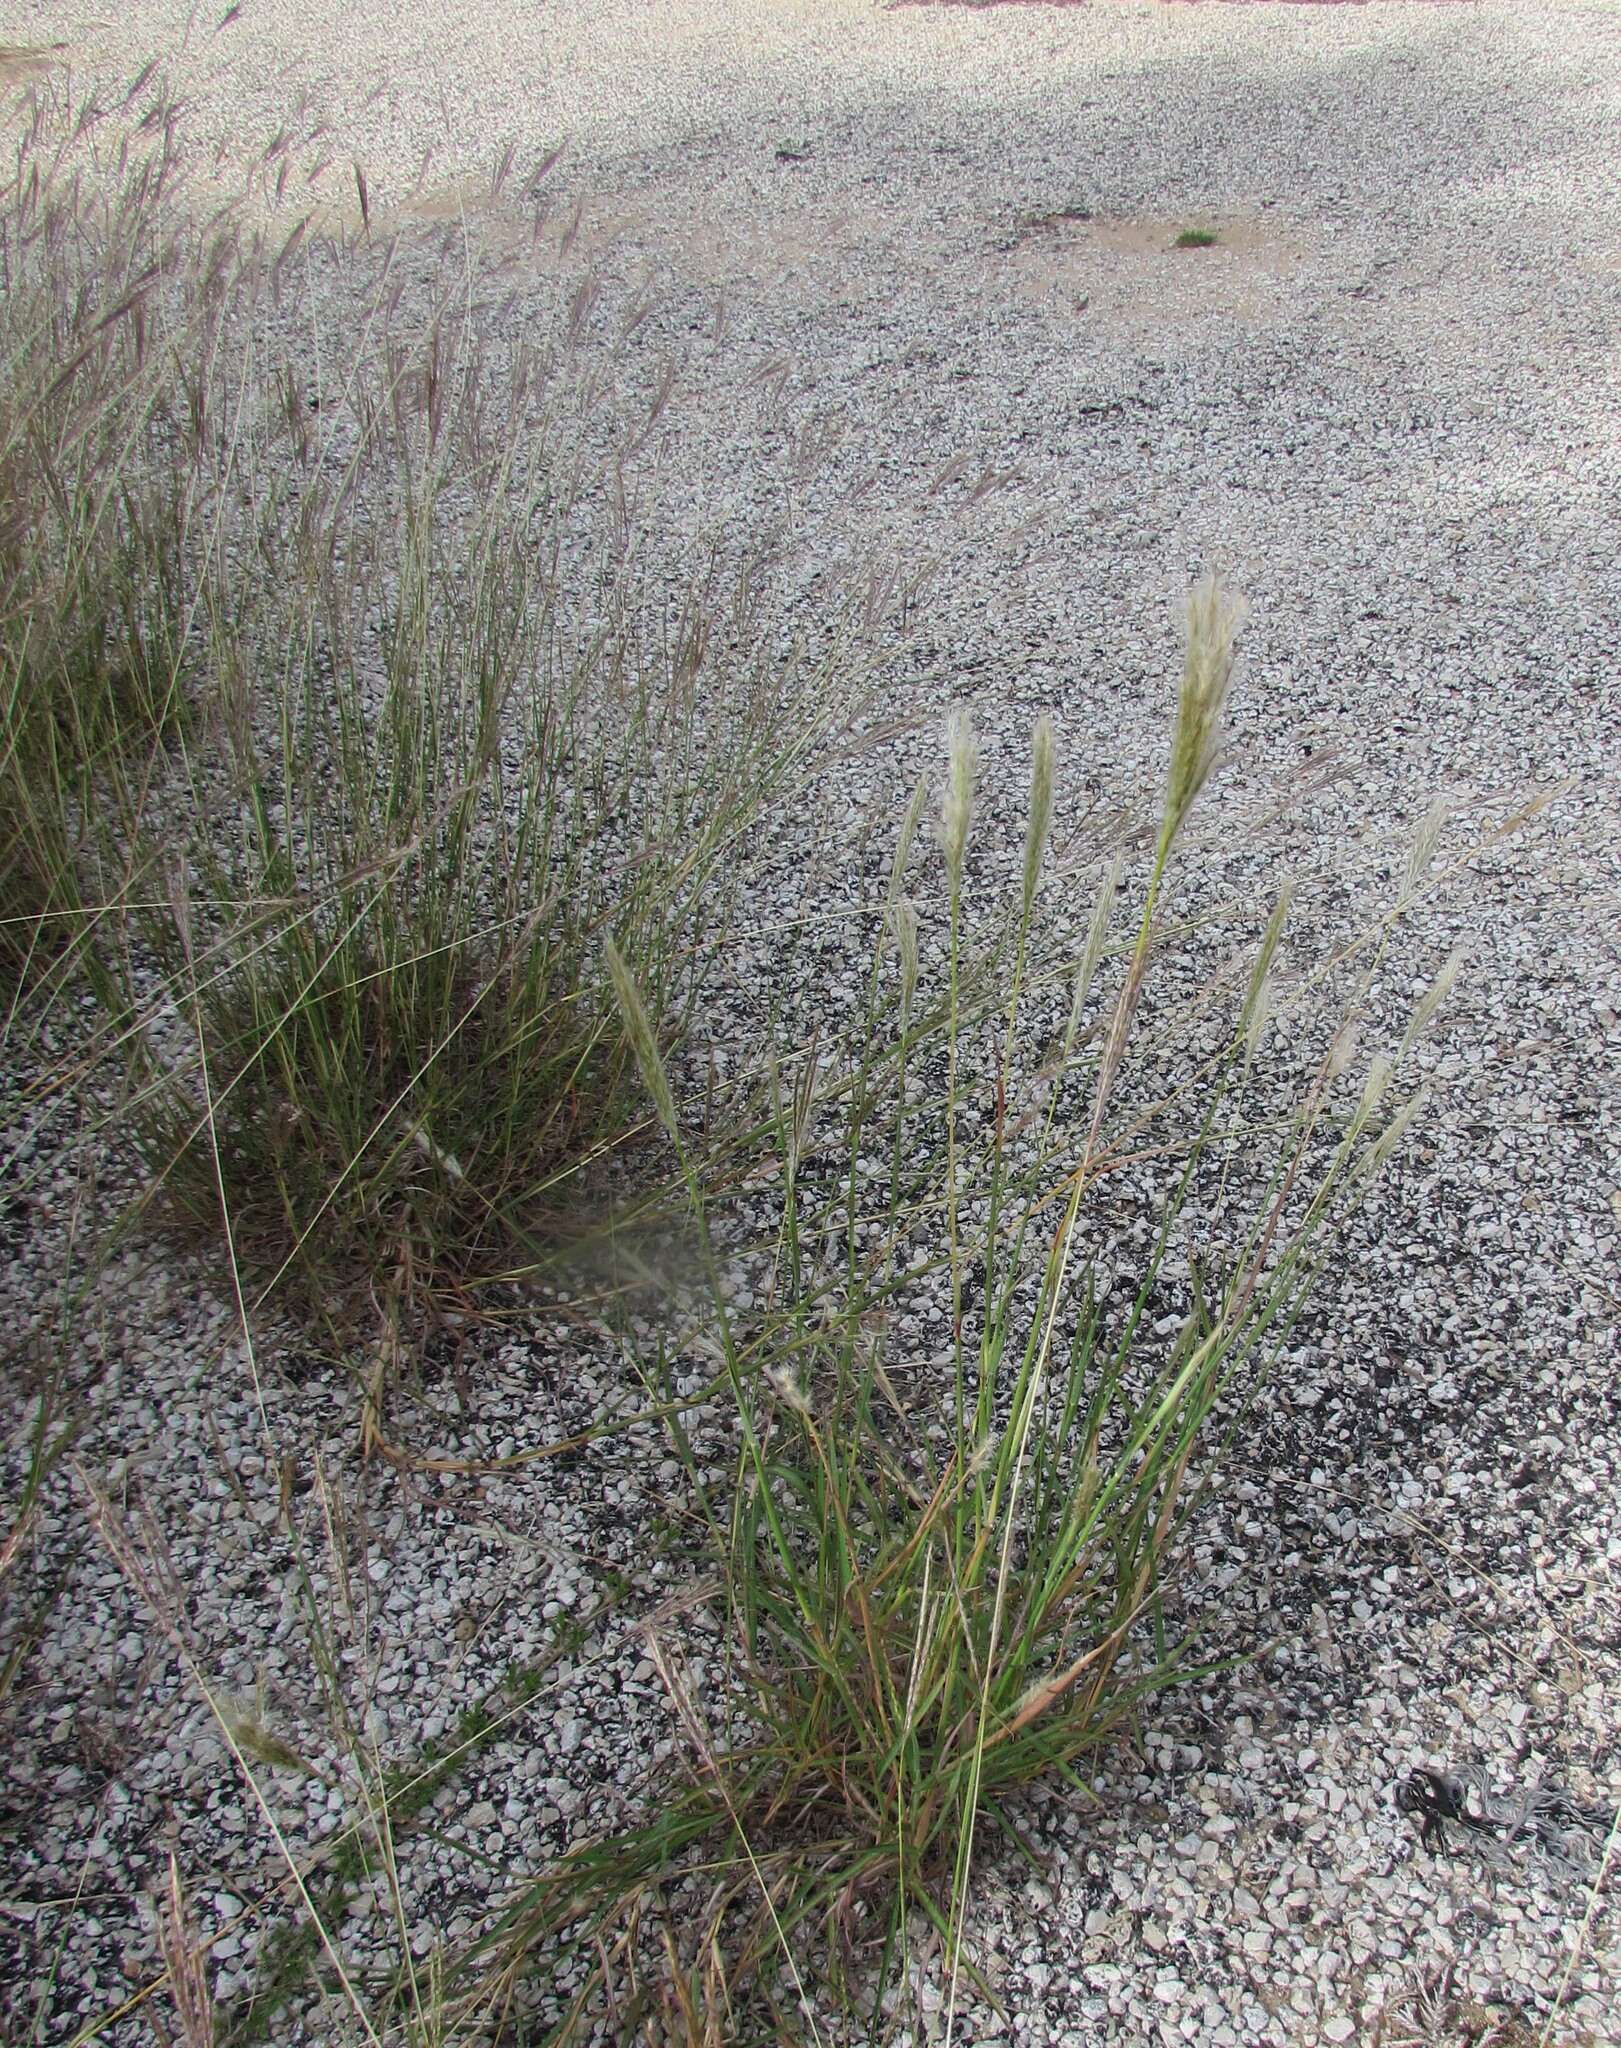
1431	1000
1427	840
1257	1008
1041	804
639	1030
447	1162
1378	1152
244	1722
788	1390
1213	621
1342	1049
1102	908
903	923
1380	1070
1257	1016
908	832
1263	960
963	756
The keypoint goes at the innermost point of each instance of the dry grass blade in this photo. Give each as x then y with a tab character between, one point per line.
183	1958
148	1576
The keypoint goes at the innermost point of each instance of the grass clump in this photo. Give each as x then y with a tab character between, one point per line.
339	729
90	622
1195	238
947	1582
387	959
395	831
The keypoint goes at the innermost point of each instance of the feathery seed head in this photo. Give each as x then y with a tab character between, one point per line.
1108	890
903	923
639	1030
1380	1070
447	1162
1428	838
788	1390
1213	620
1041	804
908	832
245	1726
1258	996
1378	1152
1342	1049
1257	1015
963	764
1432	999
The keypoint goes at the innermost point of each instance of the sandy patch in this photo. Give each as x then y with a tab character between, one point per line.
1130	274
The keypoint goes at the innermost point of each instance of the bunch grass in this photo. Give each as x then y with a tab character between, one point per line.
945	1585
90	682
338	729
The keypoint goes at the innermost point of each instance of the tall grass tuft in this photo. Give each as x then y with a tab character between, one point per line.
89	538
385	946
948	1578
339	731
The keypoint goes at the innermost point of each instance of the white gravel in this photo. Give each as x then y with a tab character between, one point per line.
914	268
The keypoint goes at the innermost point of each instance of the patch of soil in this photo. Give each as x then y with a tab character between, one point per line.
1131	275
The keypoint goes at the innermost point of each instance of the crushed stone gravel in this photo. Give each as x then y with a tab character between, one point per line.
914	271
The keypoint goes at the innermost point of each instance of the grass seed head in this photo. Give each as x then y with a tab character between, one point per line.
788	1390
1097	935
1257	1009
903	923
1041	804
1425	842
1377	1155
1432	999
903	844
183	1957
1257	1015
1213	620
963	766
643	1042
1380	1070
1342	1049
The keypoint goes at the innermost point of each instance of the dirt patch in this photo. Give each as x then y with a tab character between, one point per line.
1132	275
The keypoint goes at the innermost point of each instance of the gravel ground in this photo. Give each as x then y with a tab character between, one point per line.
914	269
